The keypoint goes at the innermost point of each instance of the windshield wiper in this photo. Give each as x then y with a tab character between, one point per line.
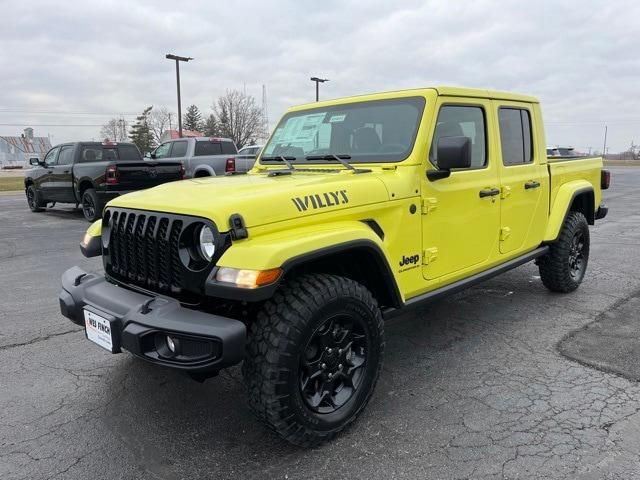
280	158
340	158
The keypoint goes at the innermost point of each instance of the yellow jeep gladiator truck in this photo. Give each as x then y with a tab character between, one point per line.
357	209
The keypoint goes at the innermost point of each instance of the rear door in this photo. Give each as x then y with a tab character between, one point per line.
461	213
62	175
523	178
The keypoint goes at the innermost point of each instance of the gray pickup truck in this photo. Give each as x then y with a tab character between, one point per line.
201	156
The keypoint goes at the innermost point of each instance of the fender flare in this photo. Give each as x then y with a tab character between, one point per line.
562	206
277	251
79	181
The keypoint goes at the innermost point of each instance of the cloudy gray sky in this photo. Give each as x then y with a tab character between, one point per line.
582	59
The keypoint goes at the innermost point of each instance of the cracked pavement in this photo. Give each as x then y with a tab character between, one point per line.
473	386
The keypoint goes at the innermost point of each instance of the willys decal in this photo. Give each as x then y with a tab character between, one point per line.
320	200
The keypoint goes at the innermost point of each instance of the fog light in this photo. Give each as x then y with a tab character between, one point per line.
171	344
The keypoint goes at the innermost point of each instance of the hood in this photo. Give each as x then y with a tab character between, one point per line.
260	199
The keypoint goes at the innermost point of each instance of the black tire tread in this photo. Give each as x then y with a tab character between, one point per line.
554	269
269	340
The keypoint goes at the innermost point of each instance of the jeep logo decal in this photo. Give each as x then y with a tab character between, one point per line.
412	260
320	200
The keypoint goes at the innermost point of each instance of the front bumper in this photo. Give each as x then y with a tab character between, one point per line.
140	324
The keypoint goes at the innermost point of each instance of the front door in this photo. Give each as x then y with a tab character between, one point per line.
523	178
44	183
62	177
461	213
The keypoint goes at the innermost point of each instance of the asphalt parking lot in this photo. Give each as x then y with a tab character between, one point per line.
473	386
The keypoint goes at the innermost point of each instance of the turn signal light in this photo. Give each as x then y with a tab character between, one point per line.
248	278
230	166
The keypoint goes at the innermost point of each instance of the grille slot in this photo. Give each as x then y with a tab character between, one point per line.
144	250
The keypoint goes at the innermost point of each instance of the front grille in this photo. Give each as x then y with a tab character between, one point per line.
144	249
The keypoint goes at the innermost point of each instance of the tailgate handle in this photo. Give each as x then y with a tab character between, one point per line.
489	192
531	184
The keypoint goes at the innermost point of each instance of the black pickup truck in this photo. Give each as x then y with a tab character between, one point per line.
91	174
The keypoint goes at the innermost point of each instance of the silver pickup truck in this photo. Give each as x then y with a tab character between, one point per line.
201	156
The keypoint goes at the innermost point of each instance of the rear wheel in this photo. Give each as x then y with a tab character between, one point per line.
564	267
34	200
313	357
91	206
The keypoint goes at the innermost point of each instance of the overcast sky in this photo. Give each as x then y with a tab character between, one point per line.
582	59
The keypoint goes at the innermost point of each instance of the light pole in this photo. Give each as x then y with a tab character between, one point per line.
318	82
178	59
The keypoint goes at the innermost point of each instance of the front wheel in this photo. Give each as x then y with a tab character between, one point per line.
563	268
34	200
313	357
91	207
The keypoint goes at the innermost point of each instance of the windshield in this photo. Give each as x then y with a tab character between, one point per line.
374	131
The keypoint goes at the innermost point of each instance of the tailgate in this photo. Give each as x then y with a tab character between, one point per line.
139	175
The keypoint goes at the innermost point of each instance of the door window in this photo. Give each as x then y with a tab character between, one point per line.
462	121
515	136
163	150
179	149
66	155
51	157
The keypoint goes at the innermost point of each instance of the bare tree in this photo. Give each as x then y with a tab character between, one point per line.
238	116
115	129
160	120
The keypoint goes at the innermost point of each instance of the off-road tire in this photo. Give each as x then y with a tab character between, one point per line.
91	205
34	199
555	267
277	343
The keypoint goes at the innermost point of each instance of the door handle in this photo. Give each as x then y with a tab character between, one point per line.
531	184
489	192
65	171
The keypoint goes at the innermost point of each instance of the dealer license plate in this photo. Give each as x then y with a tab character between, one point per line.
98	330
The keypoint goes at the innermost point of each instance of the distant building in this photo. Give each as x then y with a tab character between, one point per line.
173	134
18	150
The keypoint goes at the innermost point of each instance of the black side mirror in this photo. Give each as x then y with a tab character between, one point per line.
34	161
453	152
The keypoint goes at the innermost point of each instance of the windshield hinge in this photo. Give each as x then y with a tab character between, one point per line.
429	205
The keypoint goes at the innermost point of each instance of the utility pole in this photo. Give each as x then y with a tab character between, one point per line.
318	82
178	59
604	148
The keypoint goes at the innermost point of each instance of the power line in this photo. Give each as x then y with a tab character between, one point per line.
43	112
51	125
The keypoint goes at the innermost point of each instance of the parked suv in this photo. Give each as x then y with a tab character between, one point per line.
201	156
358	209
91	174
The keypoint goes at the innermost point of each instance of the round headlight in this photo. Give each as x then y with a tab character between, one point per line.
207	242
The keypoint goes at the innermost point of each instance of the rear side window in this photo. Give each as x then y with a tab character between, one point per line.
91	153
206	147
515	136
229	148
462	121
179	149
101	153
129	152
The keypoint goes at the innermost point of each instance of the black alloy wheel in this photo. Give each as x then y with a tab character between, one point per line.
332	366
